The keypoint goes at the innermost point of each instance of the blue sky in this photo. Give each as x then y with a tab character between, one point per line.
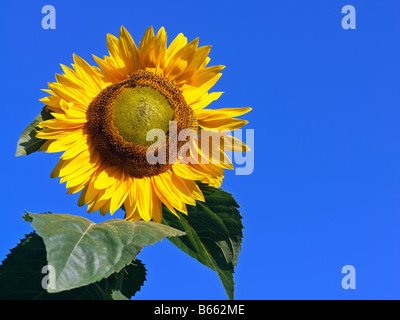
326	106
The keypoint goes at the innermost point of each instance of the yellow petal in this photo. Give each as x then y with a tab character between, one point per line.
181	60
105	208
88	75
119	195
130	203
45	145
65	138
158	188
230	124
197	60
157	207
143	189
113	49
70	94
165	188
90	193
56	171
81	201
184	192
188	172
219	114
145	47
111	72
74	164
128	50
106	178
196	94
177	44
63	124
205	101
78	147
159	48
201	76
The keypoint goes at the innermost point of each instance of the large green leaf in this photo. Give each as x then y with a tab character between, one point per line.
83	252
133	279
124	284
214	233
117	295
28	143
21	276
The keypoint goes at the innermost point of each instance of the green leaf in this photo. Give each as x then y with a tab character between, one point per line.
124	284
20	272
83	252
117	295
214	233
21	276
134	275
28	143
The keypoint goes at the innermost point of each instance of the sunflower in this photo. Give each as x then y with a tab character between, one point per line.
101	117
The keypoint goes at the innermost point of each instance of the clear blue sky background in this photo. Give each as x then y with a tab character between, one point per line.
326	108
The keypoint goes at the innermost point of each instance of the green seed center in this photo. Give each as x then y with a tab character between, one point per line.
140	109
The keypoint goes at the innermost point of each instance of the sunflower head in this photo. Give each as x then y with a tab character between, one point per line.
123	113
102	117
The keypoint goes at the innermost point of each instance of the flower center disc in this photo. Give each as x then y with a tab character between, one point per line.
138	110
120	117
